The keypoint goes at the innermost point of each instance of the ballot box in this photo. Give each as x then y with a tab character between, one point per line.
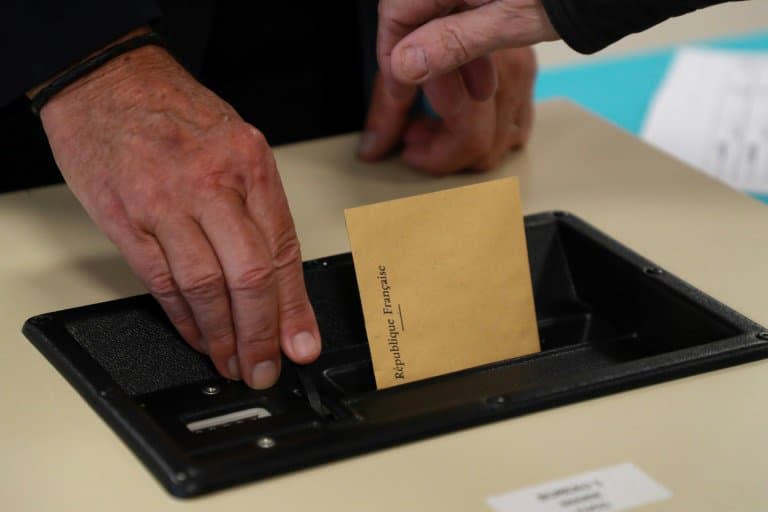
608	319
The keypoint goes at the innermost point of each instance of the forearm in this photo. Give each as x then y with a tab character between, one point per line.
591	25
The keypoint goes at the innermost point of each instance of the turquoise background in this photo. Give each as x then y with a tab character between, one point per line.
620	89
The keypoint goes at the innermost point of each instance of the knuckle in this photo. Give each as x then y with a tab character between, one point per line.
288	249
260	177
204	287
452	39
162	285
257	156
264	337
216	183
220	339
110	206
295	307
261	341
392	23
391	18
256	278
253	137
182	321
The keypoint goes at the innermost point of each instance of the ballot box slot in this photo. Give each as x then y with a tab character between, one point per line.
356	378
608	320
663	316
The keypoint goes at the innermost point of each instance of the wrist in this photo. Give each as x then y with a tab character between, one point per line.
136	32
120	83
138	50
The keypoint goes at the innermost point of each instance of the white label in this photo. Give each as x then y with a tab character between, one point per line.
610	489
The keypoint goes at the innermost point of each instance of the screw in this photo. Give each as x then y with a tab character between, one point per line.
265	442
497	400
654	271
181	476
211	390
762	335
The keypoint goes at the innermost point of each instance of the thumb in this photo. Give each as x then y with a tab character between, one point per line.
449	42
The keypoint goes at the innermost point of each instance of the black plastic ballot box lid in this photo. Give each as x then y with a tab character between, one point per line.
609	320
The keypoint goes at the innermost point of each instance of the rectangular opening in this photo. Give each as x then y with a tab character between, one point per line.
595	308
608	320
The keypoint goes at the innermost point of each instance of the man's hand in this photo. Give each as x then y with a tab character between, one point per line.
471	134
449	41
191	196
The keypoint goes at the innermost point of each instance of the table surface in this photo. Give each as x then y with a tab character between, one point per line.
703	437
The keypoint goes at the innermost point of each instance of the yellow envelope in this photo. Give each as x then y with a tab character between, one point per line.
444	281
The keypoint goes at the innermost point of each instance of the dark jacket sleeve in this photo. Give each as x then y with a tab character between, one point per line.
38	38
590	25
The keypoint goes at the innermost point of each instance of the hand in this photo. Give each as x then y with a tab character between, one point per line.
471	135
450	41
191	196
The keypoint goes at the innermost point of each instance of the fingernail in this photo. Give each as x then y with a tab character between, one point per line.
367	144
413	62
305	345
263	375
234	368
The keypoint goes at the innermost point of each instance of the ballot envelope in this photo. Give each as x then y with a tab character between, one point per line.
609	320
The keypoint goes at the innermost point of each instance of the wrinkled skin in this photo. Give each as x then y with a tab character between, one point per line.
448	41
470	133
191	196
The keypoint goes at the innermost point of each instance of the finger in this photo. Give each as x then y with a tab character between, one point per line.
385	122
446	94
524	74
397	18
456	143
421	130
200	279
143	254
480	78
446	43
514	105
524	124
250	279
299	333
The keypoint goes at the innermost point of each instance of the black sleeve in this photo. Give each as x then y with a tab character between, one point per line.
38	38
590	25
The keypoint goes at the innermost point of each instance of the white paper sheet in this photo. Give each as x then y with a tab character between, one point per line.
711	111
